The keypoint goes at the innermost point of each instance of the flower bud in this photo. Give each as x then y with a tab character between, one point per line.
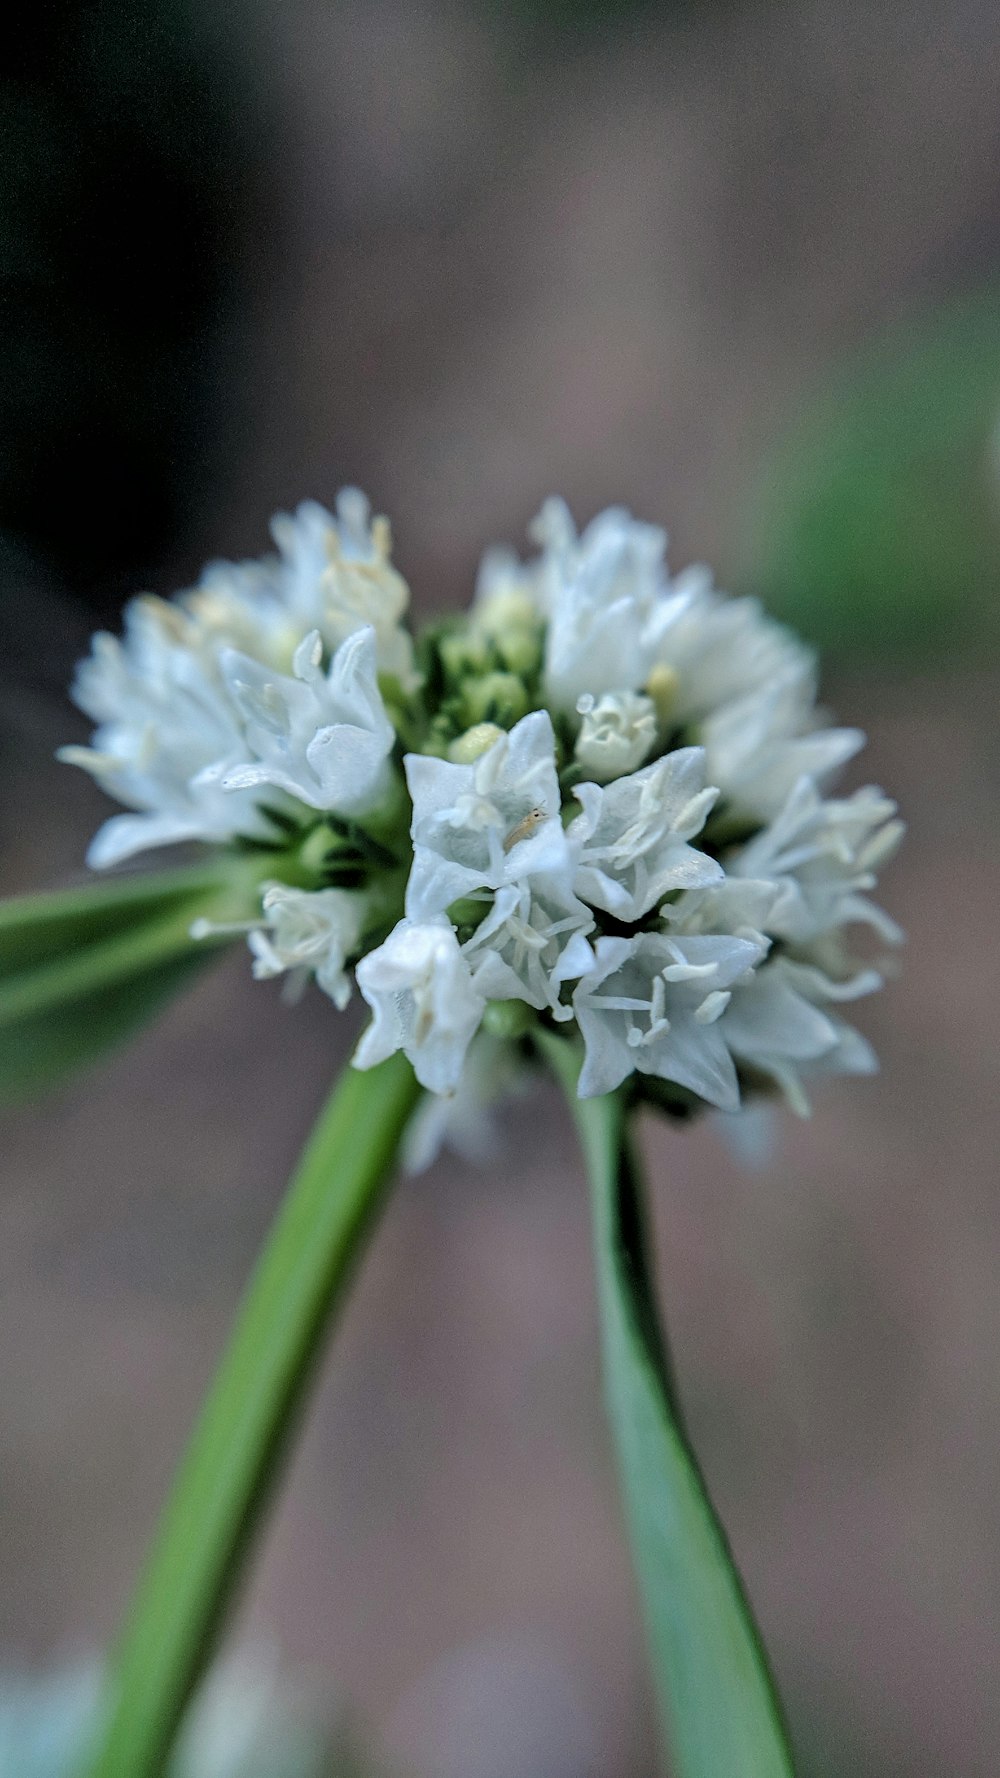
476	740
496	698
616	735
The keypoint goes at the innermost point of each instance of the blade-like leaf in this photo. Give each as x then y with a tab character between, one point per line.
719	1705
80	969
206	1530
35	929
38	1049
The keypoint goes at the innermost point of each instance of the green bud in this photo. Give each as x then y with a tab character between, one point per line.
468	912
462	652
508	1018
475	741
314	852
504	611
497	698
521	651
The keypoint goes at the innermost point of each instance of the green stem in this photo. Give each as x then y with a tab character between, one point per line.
221	1489
717	1696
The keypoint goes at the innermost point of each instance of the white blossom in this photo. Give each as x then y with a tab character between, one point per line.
631	840
482	825
741	906
746	687
324	738
774	1026
617	732
759	746
340	577
603	595
466	1120
165	723
654	1004
532	941
720	650
309	932
823	856
420	990
332	573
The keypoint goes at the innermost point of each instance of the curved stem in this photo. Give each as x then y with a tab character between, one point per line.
221	1489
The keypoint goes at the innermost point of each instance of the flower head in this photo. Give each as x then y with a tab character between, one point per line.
654	1004
619	817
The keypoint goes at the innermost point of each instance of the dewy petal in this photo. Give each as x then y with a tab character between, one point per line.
421	993
484	825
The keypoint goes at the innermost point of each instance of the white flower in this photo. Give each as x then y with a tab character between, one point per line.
602	593
740	906
482	825
164	723
630	841
617	733
420	990
823	855
760	746
747	687
309	932
340	577
323	738
655	1003
466	1120
720	650
533	940
774	1026
332	574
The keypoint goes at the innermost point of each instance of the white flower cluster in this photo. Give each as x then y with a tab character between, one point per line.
616	795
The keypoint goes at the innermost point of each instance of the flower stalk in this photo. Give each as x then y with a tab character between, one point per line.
208	1527
717	1696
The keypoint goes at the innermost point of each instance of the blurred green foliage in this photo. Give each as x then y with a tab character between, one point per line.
877	528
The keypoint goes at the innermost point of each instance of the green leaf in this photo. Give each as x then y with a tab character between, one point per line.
35	929
38	1049
80	969
719	1705
206	1531
876	529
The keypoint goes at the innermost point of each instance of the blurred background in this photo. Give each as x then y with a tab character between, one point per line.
736	265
